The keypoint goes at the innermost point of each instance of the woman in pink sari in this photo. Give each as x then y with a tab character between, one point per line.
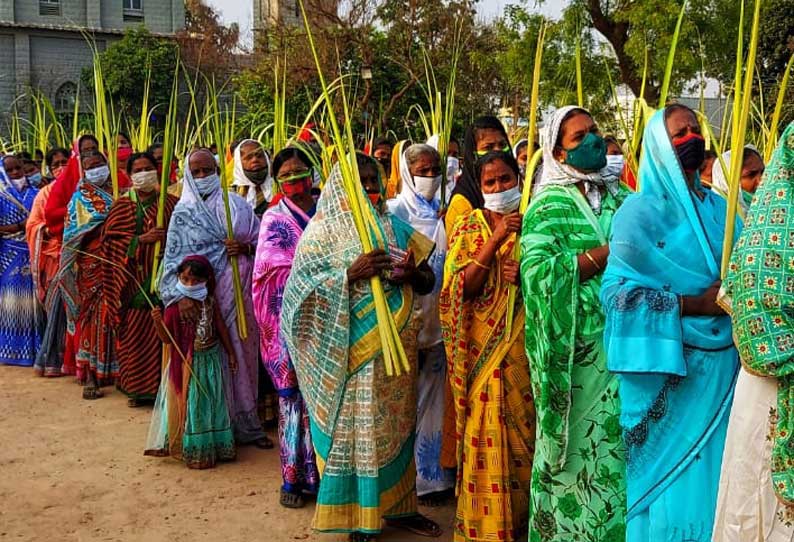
281	228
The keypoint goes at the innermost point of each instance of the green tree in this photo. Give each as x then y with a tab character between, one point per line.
126	65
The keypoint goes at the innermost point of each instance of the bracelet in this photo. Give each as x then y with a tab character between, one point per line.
592	260
476	262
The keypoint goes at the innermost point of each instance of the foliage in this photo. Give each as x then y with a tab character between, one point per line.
126	64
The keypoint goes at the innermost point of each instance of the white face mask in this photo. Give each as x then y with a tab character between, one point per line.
615	165
19	184
503	202
145	180
98	175
453	169
197	292
208	185
427	186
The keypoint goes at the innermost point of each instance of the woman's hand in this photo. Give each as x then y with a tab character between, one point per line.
510	224
157	316
233	363
703	305
236	248
405	271
510	272
188	311
152	236
368	265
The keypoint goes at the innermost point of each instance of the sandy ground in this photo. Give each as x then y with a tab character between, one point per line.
73	470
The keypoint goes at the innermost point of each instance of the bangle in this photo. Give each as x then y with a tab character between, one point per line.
592	260
476	262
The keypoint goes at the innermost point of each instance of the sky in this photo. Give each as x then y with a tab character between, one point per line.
241	12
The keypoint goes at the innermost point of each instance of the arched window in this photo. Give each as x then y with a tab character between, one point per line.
65	97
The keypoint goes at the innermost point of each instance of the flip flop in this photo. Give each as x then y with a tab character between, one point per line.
291	500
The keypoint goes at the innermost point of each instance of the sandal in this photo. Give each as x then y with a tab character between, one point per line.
436	499
417	524
361	537
264	443
92	392
133	402
291	500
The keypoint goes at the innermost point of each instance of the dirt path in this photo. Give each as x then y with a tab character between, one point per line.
73	470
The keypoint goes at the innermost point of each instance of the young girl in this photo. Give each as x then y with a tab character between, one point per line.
191	419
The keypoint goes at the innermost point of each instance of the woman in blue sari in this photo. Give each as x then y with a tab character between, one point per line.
666	337
19	316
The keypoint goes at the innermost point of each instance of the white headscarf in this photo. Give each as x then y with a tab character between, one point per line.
453	170
241	179
556	173
719	177
423	217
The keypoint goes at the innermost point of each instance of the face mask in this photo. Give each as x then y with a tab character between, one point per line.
522	172
19	184
427	186
615	165
453	168
747	197
35	179
208	185
295	188
503	202
145	180
57	171
197	292
124	153
98	175
257	177
589	155
691	151
374	198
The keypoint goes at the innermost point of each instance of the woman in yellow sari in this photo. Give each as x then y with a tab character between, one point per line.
489	371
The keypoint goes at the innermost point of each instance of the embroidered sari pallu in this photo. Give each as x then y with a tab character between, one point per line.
362	421
492	396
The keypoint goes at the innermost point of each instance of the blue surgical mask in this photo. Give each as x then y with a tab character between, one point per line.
208	185
98	175
197	292
35	179
615	165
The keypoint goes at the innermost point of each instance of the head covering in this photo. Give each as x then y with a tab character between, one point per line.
393	182
421	214
719	177
555	173
242	180
517	147
468	186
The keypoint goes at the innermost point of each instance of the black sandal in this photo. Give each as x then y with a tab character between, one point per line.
436	499
91	393
361	537
417	524
263	443
291	500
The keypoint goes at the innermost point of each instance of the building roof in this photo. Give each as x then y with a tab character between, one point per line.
73	28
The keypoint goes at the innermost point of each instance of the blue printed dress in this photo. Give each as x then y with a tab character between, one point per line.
19	316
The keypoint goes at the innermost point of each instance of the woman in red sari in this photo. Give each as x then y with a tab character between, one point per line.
129	242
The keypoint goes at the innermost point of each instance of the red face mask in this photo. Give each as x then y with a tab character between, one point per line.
374	198
124	153
294	188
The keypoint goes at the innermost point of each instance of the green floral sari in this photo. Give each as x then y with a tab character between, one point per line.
578	478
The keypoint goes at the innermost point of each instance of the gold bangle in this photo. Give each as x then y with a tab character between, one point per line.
592	260
476	262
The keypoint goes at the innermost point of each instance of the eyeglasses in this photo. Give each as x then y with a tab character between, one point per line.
482	153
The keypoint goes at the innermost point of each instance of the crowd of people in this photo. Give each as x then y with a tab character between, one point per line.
633	396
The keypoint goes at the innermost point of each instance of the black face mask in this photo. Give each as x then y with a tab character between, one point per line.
691	151
257	177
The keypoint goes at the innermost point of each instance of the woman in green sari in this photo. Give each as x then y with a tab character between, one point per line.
578	476
362	421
